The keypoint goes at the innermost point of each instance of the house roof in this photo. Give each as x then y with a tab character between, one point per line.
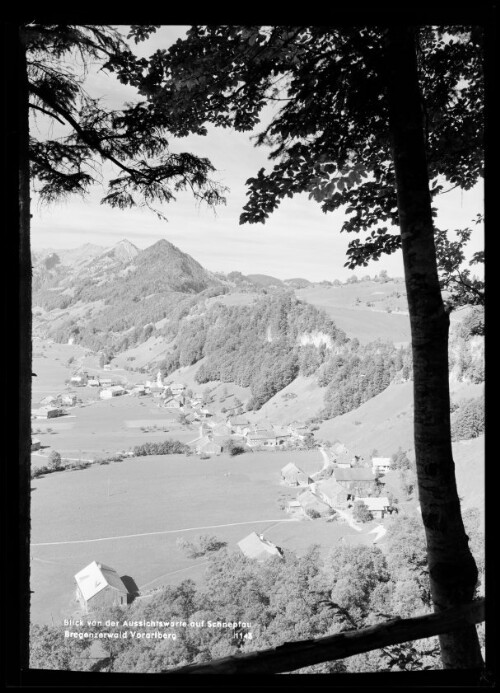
380	503
354	474
290	467
262	435
381	461
238	421
255	546
330	487
291	470
308	499
210	446
95	577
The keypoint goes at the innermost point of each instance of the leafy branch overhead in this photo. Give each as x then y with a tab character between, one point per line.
329	128
84	134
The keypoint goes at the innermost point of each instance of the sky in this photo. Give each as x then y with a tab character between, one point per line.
297	240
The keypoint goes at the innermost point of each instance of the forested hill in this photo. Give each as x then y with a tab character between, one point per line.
266	345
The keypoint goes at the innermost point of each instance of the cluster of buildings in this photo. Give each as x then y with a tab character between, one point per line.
53	406
215	430
339	486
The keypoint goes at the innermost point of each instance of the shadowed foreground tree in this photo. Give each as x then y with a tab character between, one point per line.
379	121
78	138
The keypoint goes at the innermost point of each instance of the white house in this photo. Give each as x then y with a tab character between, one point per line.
99	586
94	382
113	391
377	506
257	547
381	464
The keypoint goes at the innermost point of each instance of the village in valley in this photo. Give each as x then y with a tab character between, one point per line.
310	482
142	468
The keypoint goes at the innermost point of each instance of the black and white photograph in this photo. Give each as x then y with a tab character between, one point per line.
252	257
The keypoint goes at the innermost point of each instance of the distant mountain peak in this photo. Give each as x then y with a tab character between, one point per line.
124	251
174	268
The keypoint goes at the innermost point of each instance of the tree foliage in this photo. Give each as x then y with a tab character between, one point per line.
167	447
469	420
329	134
85	134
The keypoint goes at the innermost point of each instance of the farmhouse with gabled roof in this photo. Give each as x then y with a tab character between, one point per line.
257	547
99	586
310	501
294	476
357	481
330	491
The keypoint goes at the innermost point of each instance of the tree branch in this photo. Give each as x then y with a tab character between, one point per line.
93	143
52	115
295	655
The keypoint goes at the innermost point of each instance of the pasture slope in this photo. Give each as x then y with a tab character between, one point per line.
160	498
384	422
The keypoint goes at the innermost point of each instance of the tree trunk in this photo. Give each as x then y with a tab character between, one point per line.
452	569
25	347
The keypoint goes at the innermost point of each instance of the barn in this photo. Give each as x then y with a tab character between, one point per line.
357	481
294	476
257	547
99	586
331	492
310	501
